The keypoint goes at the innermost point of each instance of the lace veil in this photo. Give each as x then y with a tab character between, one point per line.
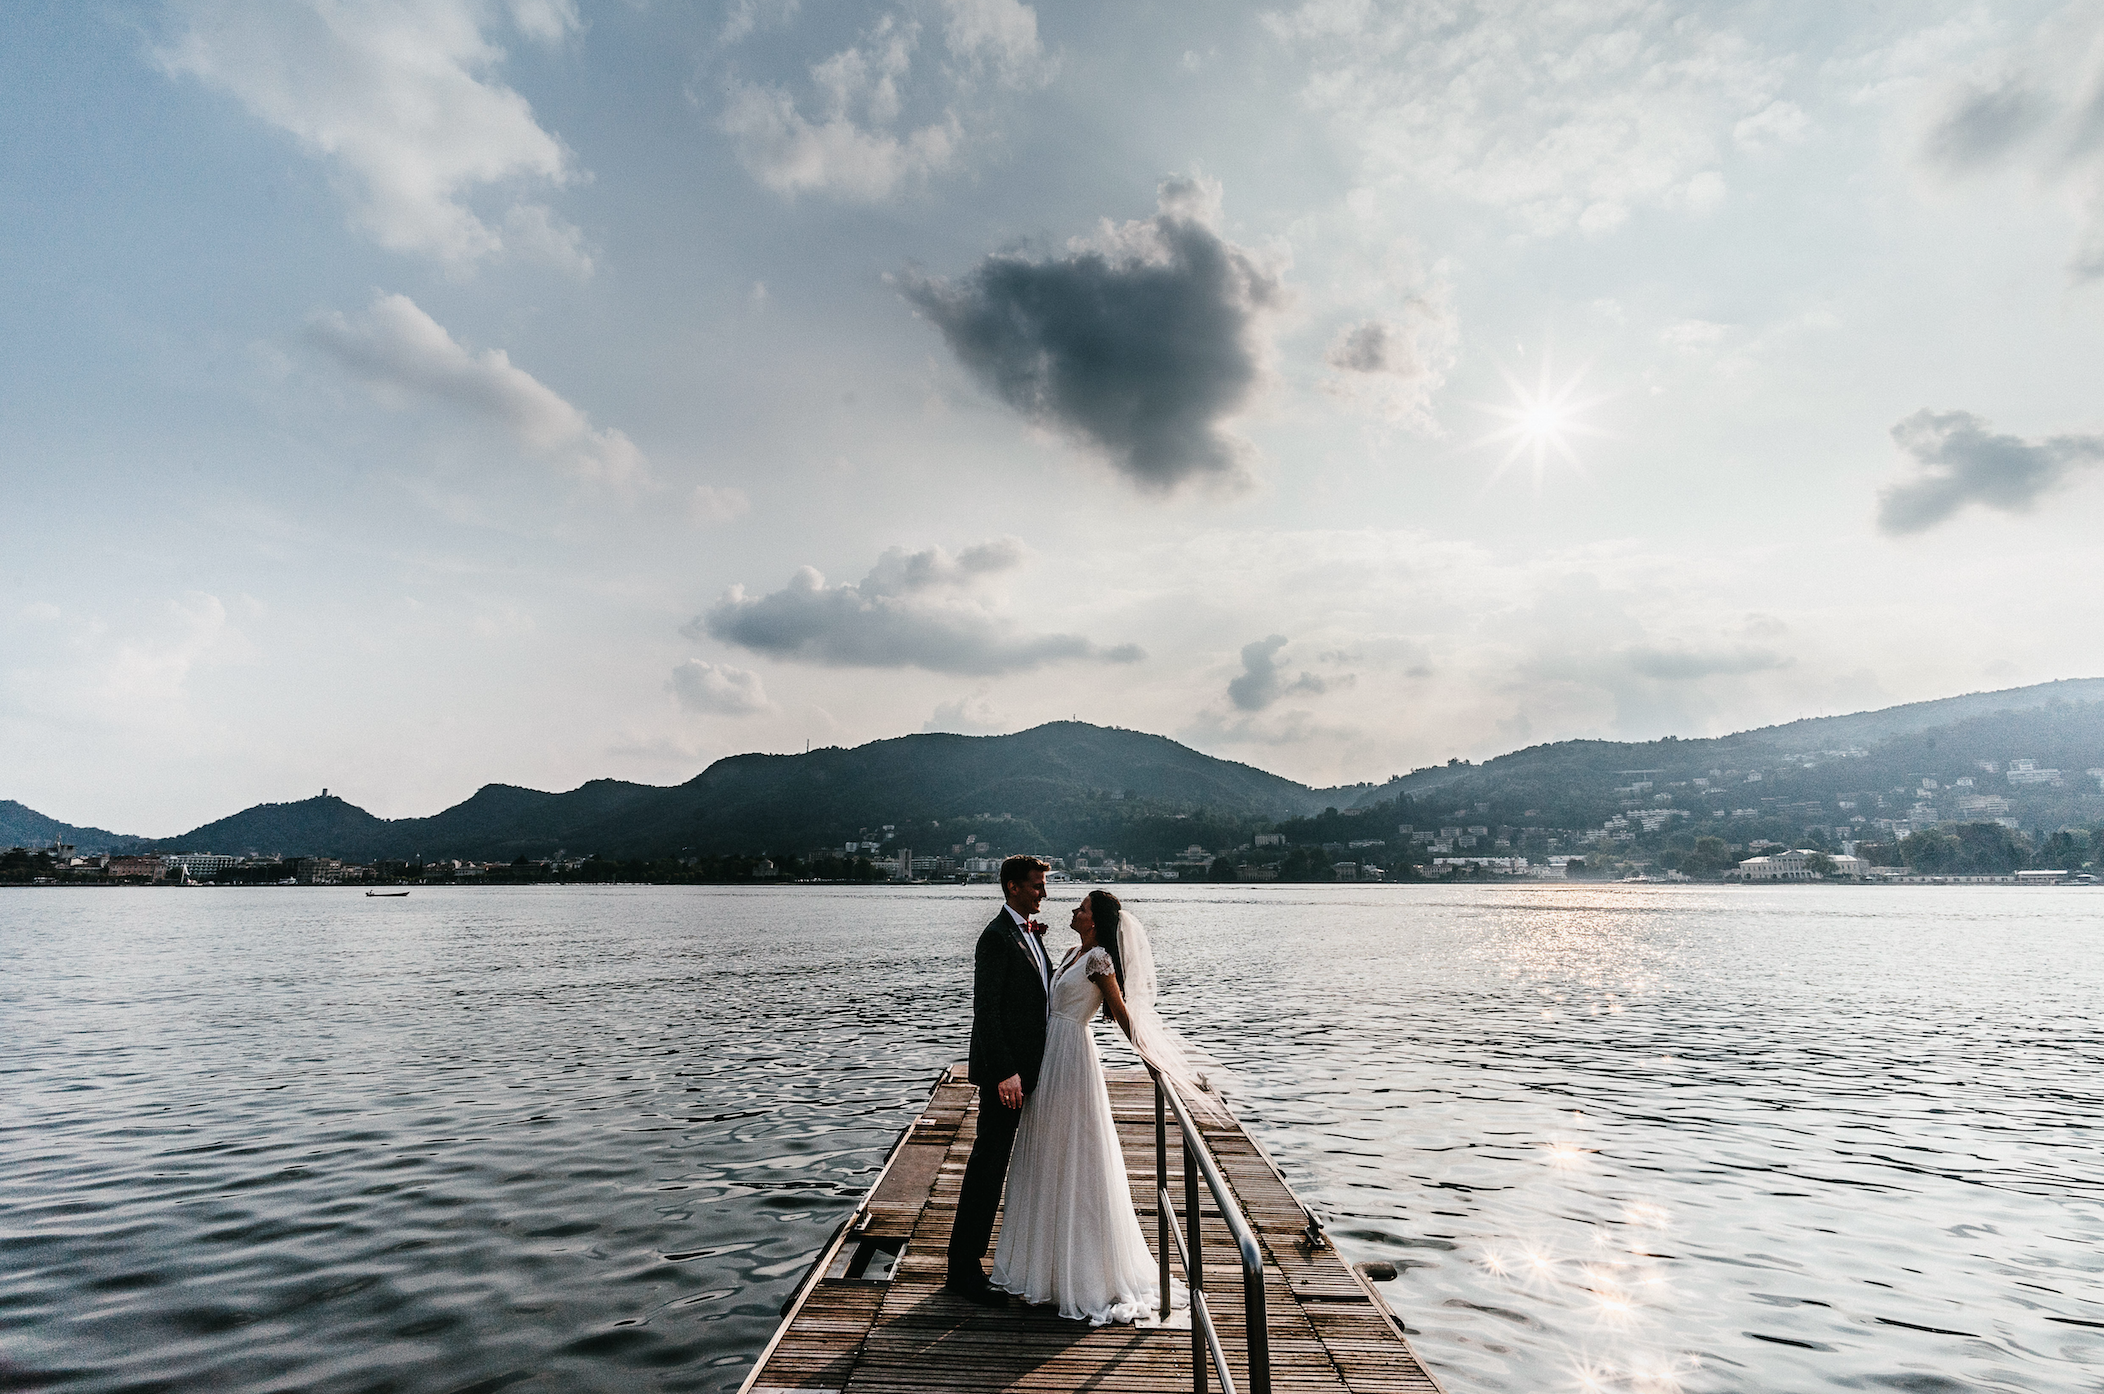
1156	1042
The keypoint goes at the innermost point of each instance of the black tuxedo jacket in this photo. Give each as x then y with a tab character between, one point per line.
1008	1007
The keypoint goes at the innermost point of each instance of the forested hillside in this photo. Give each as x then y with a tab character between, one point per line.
2026	760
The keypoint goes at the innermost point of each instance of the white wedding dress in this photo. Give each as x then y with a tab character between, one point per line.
1068	1231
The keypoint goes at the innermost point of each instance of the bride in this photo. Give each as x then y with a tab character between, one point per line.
1068	1231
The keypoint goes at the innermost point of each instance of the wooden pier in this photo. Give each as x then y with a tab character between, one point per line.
870	1317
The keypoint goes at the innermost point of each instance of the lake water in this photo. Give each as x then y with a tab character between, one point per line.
571	1139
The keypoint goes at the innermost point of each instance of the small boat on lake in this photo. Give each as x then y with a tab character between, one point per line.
370	894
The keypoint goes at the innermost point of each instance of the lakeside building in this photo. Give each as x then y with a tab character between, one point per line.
1504	866
198	865
1795	865
319	871
1906	876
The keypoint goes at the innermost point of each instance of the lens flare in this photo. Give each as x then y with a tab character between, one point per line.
1541	421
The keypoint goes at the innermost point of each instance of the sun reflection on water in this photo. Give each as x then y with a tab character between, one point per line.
1696	1141
1637	1375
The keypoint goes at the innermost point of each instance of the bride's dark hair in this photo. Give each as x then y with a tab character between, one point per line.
1105	910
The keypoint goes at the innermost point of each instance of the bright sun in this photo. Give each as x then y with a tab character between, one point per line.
1541	421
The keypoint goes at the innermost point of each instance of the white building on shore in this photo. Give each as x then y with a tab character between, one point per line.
1796	865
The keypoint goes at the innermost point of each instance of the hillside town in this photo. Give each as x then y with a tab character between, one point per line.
1941	805
1460	852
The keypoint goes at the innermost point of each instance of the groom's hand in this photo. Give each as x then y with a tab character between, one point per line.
1010	1091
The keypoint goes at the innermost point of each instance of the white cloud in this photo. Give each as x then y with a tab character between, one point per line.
1567	117
850	150
128	675
1428	647
401	352
744	18
1294	730
536	234
549	21
1695	336
973	715
790	154
1391	367
1703	191
719	689
709	503
852	141
400	98
1775	125
1000	35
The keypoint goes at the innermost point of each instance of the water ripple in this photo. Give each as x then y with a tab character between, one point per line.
1652	1139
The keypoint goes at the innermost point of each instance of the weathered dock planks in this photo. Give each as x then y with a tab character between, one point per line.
871	1318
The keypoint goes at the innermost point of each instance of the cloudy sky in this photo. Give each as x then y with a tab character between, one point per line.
399	397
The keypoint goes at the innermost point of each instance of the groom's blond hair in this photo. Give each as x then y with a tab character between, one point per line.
1016	870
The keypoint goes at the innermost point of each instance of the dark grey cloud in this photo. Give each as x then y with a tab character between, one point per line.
1263	682
913	610
2085	151
2042	116
1375	346
1688	665
1982	124
1959	461
1140	343
2088	135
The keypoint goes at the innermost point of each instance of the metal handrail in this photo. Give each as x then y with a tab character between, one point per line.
1197	1162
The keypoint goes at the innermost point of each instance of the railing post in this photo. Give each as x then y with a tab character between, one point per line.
1258	1331
1195	1269
1161	1184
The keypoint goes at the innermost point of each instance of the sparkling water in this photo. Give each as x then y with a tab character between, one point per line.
574	1139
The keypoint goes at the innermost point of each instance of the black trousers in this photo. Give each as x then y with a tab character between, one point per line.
980	1195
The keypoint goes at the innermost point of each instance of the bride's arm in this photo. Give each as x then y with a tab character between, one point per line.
1114	1001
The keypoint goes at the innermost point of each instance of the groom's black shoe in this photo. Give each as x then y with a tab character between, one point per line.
981	1292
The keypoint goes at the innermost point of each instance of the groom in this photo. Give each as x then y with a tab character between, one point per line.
1011	978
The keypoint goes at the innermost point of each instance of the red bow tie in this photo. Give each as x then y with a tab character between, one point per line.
1034	927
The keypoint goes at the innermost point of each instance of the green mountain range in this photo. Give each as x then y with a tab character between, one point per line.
1069	784
24	827
1801	774
1059	784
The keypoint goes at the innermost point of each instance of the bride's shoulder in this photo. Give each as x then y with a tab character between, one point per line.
1097	962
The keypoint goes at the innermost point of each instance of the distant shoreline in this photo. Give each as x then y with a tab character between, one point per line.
1485	882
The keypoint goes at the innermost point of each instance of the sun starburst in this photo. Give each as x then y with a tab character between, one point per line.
1541	421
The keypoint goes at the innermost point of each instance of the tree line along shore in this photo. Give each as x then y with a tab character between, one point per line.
1976	851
